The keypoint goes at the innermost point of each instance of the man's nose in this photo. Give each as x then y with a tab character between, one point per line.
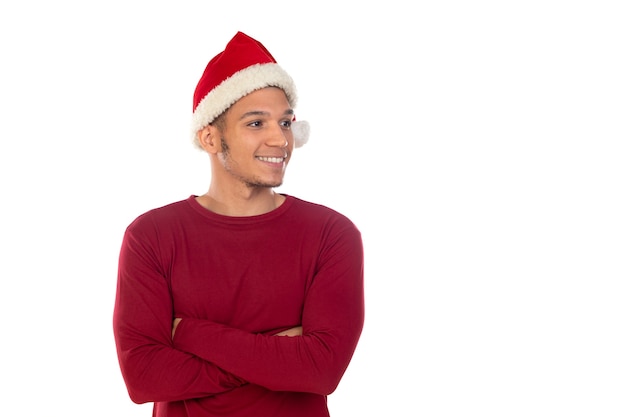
277	136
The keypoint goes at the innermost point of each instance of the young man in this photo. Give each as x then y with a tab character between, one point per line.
241	302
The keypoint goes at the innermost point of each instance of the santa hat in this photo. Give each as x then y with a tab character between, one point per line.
244	66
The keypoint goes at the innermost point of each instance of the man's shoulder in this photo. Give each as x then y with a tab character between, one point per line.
308	205
162	213
318	210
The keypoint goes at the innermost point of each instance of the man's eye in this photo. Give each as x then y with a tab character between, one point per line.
286	124
255	124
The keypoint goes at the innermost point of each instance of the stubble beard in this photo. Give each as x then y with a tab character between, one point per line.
250	182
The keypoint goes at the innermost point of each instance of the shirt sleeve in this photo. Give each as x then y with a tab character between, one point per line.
152	368
332	321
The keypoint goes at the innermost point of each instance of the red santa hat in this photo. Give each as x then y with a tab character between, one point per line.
244	66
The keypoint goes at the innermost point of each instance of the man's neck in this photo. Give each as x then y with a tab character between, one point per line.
241	204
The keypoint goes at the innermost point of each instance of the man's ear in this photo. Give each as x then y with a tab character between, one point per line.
208	137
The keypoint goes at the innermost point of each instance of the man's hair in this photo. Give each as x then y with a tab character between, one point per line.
220	121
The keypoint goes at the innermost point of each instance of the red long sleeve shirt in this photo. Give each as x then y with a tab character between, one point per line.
236	281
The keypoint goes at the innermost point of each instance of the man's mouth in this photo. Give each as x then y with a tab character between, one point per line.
271	159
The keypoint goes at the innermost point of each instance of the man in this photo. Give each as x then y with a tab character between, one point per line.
242	301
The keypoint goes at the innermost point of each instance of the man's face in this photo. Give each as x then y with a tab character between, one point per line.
257	140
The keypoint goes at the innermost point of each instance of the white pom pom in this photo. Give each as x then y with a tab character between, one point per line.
301	131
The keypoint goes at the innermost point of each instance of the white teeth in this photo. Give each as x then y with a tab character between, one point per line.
271	159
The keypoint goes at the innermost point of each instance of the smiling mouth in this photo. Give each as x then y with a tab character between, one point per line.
272	159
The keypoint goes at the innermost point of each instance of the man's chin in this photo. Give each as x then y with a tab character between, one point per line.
265	184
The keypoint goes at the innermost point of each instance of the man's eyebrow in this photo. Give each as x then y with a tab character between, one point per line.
288	112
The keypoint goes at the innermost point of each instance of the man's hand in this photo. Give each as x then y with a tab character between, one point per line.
294	331
174	325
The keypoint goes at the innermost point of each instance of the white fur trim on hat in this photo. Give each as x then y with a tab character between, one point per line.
301	131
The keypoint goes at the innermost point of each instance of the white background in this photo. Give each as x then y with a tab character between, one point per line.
479	146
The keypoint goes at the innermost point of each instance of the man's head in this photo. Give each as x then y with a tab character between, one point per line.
251	143
244	66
